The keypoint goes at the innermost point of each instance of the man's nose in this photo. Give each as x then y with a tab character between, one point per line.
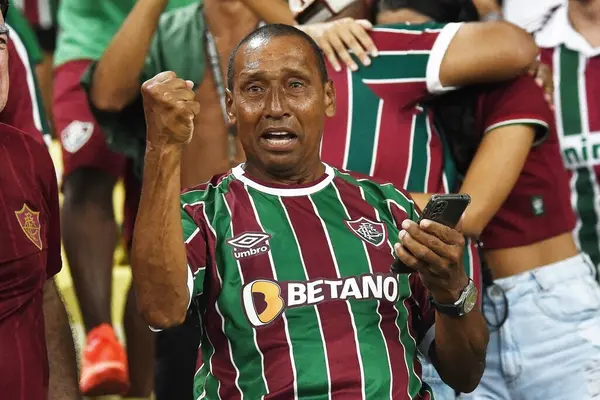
276	104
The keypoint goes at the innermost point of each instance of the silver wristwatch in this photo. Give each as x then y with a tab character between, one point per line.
465	303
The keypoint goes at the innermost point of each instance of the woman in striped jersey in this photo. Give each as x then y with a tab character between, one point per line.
506	124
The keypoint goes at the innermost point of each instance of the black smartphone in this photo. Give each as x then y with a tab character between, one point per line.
446	209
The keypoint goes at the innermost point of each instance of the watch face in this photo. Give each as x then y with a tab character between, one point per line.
470	300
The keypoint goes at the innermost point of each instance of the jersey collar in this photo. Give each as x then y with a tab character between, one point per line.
285	190
559	31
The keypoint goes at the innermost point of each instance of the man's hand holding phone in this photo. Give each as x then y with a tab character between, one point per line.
435	252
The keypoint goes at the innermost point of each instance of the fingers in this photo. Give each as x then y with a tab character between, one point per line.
330	54
426	253
334	39
359	30
436	244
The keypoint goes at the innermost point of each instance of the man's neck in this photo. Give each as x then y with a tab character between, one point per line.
229	18
584	16
306	175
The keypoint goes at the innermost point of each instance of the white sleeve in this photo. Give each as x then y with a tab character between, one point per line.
436	56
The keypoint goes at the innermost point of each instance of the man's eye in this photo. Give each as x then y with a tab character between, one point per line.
254	89
296	85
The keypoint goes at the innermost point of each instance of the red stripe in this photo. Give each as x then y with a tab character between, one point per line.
593	99
271	338
394	147
344	370
335	132
381	259
220	364
31	11
435	181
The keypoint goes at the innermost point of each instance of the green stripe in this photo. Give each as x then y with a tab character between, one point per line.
201	374
584	177
416	179
351	258
405	66
303	324
245	354
373	195
21	26
569	91
365	106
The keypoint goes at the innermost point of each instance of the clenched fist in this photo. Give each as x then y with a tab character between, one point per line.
170	108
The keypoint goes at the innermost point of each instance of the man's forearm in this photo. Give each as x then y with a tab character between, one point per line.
116	81
61	349
460	342
159	264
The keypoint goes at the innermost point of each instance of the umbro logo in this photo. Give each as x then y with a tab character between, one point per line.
249	244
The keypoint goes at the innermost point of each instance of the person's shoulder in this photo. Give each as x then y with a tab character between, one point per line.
206	191
22	144
375	186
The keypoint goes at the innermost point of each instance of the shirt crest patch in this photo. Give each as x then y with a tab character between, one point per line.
371	232
30	224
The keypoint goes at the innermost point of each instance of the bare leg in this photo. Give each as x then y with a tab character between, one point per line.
90	236
61	349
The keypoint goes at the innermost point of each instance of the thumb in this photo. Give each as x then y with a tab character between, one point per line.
189	84
366	24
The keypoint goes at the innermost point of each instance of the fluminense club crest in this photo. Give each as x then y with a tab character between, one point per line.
369	231
30	223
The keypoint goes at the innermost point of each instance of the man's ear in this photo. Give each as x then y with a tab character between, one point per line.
231	111
329	94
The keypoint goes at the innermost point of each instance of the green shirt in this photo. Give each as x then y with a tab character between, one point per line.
178	46
87	26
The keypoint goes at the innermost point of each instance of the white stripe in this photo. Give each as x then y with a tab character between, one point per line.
239	173
523	121
426	188
22	52
406	31
315	306
349	123
410	153
438	51
585	127
376	139
556	67
387	352
283	316
44	14
392	81
237	371
192	236
337	270
262	357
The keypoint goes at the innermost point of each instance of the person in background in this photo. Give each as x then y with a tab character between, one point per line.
570	44
292	207
41	16
34	326
91	170
507	123
24	109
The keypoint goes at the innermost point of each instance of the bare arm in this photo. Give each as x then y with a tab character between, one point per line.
158	260
487	7
116	81
272	11
61	349
487	52
493	173
460	341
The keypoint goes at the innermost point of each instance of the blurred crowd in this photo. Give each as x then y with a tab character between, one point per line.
509	116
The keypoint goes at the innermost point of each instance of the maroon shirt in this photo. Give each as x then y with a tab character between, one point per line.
538	207
30	234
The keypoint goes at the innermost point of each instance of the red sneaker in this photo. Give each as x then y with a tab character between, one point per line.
104	362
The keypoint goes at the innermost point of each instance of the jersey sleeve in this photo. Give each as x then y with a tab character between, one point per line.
23	108
410	57
519	101
196	250
48	183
